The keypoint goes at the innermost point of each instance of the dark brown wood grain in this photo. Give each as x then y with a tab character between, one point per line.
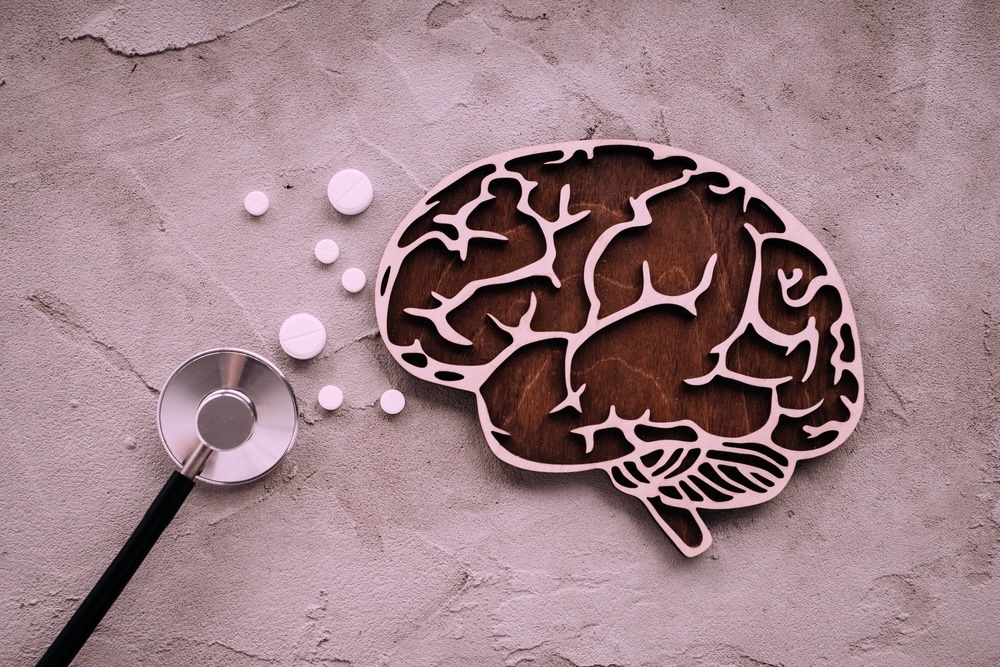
642	363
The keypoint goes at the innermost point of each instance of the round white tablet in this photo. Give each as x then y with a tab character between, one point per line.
353	280
302	336
327	251
392	402
256	203
349	191
330	397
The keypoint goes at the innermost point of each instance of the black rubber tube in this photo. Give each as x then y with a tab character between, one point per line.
113	581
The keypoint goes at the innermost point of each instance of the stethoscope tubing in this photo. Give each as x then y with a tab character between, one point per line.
203	383
107	589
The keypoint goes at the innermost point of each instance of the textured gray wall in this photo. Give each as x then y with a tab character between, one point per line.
130	135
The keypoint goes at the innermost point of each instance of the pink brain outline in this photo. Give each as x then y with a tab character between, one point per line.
677	466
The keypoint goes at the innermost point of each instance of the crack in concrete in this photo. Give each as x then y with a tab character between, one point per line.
524	654
733	656
363	338
987	331
900	399
754	662
331	662
516	18
906	610
421	625
601	115
67	321
130	52
213	643
550	659
269	490
446	12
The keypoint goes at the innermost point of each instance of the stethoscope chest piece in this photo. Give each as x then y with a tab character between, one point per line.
225	416
236	402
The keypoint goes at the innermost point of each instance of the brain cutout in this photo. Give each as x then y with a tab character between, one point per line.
633	308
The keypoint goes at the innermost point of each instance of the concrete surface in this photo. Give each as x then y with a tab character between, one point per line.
129	137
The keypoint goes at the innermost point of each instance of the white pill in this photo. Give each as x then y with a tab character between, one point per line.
256	203
392	402
349	191
302	336
330	397
353	280
327	251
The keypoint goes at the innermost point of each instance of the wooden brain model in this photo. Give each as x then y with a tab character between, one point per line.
629	307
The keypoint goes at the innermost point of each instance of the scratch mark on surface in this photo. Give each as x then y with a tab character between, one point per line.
68	322
271	661
906	89
130	52
443	606
225	288
392	158
899	397
160	222
214	643
54	162
410	85
363	338
161	225
268	492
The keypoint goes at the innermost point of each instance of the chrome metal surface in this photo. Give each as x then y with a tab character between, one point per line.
254	402
226	419
196	461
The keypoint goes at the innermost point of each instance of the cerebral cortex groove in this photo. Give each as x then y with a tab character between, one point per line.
629	307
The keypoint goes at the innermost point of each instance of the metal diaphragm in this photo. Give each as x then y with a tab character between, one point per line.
236	402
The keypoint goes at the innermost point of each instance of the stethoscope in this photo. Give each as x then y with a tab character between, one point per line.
225	416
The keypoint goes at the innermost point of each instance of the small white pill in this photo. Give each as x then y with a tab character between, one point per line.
256	203
349	191
330	397
302	336
353	280
392	402
327	251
